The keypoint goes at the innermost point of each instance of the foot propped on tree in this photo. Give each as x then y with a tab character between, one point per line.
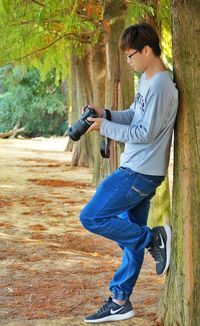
160	248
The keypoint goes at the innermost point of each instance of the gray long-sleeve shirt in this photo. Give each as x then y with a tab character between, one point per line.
146	127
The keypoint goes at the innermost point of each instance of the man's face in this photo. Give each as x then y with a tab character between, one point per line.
138	61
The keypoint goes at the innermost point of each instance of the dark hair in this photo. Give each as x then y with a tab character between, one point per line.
137	36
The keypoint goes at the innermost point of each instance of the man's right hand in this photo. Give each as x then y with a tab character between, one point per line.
98	110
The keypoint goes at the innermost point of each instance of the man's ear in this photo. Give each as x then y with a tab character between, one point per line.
147	50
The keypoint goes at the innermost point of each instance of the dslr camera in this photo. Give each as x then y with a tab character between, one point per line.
82	125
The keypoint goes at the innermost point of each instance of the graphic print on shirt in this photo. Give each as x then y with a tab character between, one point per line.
140	101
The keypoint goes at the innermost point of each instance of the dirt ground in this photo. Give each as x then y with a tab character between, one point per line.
53	272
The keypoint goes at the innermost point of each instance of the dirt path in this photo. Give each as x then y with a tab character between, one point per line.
53	272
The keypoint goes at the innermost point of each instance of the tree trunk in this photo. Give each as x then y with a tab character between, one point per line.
83	154
98	84
72	96
180	304
160	211
113	78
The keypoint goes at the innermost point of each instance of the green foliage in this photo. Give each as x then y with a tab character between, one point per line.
137	10
27	101
164	14
43	32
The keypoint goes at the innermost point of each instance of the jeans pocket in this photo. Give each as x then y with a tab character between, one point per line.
141	188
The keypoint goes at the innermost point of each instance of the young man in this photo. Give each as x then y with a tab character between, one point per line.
120	206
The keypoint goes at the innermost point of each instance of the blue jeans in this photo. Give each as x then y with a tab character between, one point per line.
119	211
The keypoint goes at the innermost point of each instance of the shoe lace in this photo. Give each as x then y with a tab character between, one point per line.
105	305
155	253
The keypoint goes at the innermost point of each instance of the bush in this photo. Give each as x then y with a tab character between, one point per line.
26	101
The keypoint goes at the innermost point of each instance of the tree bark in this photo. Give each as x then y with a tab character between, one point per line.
98	85
11	132
160	211
72	96
82	152
180	304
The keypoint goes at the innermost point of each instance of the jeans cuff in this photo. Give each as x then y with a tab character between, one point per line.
120	295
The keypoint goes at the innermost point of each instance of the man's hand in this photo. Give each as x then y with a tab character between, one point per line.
96	124
98	110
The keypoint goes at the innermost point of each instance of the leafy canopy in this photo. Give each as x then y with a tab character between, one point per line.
43	32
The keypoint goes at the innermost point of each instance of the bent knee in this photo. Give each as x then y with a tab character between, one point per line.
85	221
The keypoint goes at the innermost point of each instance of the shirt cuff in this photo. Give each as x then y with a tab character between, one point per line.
104	114
104	123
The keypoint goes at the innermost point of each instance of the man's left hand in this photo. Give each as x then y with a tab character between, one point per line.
96	123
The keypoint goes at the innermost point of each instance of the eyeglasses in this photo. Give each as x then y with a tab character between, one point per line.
130	56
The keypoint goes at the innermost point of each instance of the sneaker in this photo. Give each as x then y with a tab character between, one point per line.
160	248
110	311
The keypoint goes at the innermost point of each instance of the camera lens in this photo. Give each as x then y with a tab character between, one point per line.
81	126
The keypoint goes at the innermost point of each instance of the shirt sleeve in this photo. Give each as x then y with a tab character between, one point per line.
146	129
122	117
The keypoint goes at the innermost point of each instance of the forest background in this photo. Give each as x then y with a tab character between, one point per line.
58	56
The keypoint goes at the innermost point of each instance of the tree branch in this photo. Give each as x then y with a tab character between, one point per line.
11	132
38	3
46	47
16	41
26	22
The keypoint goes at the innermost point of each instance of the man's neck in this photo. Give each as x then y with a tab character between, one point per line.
156	66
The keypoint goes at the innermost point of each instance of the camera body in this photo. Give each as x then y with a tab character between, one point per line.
82	125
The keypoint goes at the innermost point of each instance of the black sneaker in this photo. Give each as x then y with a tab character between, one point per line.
160	248
111	311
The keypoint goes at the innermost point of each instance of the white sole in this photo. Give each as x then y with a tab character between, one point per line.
168	247
116	317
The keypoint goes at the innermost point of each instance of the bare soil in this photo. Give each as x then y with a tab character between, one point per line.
53	272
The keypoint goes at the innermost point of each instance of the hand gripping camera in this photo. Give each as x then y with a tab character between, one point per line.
81	126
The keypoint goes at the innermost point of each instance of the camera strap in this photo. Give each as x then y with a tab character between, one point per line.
105	142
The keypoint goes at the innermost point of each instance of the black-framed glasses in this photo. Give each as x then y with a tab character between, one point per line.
130	55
